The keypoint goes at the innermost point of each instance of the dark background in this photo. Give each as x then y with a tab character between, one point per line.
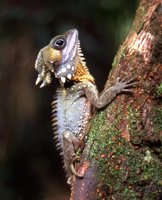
30	167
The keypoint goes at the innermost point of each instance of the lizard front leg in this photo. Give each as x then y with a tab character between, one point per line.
71	144
107	95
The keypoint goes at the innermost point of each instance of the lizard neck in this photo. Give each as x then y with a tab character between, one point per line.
82	73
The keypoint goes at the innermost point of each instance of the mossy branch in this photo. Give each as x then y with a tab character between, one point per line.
122	156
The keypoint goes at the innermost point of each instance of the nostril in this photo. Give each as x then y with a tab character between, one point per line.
52	66
56	64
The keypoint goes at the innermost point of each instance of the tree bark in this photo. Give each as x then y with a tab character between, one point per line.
122	155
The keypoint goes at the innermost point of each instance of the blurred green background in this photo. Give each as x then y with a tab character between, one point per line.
30	167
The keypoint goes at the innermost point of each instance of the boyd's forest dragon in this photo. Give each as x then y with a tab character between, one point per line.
76	95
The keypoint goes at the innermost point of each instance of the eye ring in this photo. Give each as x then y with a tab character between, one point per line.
59	43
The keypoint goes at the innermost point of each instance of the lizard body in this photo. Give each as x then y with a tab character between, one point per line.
76	95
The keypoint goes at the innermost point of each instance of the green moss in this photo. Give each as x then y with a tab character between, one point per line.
134	125
100	128
159	90
120	55
127	171
115	62
129	193
158	120
142	12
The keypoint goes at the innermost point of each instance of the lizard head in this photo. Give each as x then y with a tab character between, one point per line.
60	57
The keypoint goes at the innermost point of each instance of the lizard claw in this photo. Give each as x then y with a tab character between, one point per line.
126	83
75	159
69	181
74	171
126	80
129	82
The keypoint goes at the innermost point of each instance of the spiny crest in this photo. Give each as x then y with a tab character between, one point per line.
54	119
55	125
81	56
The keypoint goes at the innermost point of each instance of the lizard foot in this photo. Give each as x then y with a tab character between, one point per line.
73	170
126	85
75	159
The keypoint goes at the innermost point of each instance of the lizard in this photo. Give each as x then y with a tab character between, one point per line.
76	95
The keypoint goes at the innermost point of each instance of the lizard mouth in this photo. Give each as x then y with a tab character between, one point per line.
62	73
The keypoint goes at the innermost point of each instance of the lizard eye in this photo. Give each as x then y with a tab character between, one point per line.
59	43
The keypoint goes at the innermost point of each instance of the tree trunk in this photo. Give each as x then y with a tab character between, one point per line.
122	155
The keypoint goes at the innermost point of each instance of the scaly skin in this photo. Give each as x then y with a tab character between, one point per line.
76	95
